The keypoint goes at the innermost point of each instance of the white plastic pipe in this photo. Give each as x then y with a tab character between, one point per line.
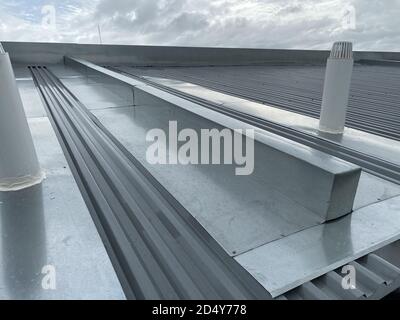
19	166
335	98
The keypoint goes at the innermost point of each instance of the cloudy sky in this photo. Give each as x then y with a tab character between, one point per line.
312	24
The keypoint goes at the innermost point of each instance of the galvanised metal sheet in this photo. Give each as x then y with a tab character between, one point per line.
287	263
374	95
368	195
374	153
239	212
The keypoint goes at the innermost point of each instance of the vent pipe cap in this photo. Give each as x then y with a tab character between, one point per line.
342	50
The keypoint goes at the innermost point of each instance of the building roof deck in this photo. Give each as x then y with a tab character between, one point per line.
278	80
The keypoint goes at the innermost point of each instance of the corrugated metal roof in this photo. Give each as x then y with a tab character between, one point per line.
373	103
158	249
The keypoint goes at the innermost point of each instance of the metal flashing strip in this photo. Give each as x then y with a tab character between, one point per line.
374	165
158	249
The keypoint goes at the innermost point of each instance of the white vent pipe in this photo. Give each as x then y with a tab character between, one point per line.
335	98
19	166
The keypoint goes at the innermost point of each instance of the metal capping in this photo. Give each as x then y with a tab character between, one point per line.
158	249
379	167
342	50
375	279
1	49
373	101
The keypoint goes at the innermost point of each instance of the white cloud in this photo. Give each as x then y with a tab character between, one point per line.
308	24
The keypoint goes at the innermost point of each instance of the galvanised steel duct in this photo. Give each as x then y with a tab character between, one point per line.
19	166
335	97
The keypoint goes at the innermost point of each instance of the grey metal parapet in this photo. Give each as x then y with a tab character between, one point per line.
50	53
1	48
